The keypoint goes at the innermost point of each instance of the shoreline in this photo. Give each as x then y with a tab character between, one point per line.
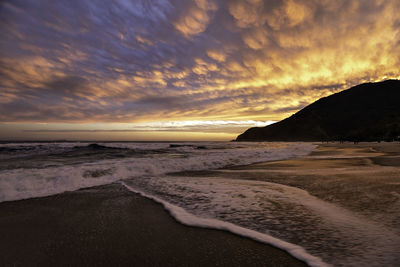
327	160
185	218
110	225
360	182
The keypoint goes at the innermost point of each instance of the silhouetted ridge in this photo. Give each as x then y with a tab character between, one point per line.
366	112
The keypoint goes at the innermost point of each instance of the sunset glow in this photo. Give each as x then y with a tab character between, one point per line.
144	70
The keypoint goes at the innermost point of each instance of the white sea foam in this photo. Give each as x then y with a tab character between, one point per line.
187	218
36	182
288	213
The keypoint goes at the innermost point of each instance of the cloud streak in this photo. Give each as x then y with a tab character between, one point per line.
212	126
147	60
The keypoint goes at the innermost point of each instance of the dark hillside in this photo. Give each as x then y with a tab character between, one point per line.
366	112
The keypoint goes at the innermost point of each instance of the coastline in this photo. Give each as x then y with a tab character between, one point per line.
363	177
354	187
109	225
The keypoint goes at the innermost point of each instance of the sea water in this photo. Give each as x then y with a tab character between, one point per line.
313	230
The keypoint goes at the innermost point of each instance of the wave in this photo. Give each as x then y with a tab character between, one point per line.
25	183
187	218
325	230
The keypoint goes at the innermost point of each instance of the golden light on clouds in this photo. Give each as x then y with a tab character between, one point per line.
203	60
216	55
196	18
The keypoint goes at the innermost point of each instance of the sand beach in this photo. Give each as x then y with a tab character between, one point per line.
110	225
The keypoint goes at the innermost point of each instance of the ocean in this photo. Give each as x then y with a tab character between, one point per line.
203	184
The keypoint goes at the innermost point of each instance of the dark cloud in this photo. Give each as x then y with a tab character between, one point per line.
68	86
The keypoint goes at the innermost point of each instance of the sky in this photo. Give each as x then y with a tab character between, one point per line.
182	70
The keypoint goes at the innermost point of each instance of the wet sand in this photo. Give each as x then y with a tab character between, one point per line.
362	181
363	177
111	226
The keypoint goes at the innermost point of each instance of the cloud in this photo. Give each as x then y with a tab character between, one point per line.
148	60
68	85
256	39
195	18
212	126
290	14
217	55
247	13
